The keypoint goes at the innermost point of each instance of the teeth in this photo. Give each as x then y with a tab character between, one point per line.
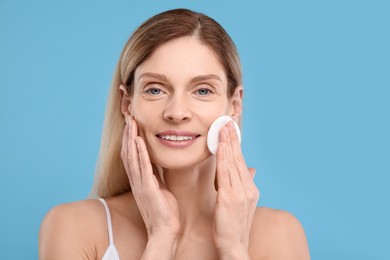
176	137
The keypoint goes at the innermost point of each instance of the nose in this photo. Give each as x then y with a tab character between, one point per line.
177	110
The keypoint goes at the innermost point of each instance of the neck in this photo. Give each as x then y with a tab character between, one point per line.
194	191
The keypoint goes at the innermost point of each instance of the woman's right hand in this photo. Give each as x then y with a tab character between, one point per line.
158	207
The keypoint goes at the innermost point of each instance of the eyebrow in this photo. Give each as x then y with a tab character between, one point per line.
165	79
206	77
153	75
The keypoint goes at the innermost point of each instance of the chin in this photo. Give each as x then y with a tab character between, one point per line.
177	160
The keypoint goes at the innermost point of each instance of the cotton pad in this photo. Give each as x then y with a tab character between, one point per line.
213	134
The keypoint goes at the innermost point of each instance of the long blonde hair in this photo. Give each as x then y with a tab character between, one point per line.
111	178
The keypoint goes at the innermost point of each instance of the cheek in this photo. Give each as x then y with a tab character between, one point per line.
212	110
142	112
141	129
143	115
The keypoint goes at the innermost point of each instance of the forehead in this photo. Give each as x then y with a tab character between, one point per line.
182	59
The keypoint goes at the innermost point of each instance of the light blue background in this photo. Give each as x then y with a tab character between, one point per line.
316	122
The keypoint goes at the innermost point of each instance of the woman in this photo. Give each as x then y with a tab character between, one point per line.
165	195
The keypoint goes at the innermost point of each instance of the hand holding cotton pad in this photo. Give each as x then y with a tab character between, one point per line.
213	134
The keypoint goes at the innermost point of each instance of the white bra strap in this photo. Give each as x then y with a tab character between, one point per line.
109	225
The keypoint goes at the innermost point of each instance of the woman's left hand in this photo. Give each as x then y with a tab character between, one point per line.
236	198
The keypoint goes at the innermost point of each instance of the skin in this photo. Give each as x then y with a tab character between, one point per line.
174	210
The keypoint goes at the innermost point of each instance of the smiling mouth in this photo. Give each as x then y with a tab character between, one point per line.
177	137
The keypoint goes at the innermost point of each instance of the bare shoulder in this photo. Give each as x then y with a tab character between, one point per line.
277	234
78	230
73	230
276	220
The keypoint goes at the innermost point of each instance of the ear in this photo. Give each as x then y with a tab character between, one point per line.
235	110
125	102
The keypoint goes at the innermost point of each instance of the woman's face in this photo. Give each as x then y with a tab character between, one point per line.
178	92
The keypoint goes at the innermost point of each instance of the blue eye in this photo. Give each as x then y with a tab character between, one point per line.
204	91
153	91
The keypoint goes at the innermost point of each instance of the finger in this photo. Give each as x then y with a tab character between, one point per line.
222	171
157	175
134	124
235	144
245	175
132	153
252	172
231	161
148	178
124	153
124	146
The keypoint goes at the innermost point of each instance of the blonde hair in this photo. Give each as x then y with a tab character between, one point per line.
111	178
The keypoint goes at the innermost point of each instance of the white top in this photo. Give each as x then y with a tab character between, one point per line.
111	252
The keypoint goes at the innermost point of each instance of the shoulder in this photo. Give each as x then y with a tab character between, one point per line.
276	220
78	230
281	235
73	230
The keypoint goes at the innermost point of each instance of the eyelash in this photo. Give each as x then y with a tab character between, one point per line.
149	91
209	91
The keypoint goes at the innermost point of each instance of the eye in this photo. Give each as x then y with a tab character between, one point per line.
204	92
153	91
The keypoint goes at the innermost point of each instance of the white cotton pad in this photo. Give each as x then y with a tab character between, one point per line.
213	134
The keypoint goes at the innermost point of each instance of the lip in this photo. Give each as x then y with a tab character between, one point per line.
177	144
